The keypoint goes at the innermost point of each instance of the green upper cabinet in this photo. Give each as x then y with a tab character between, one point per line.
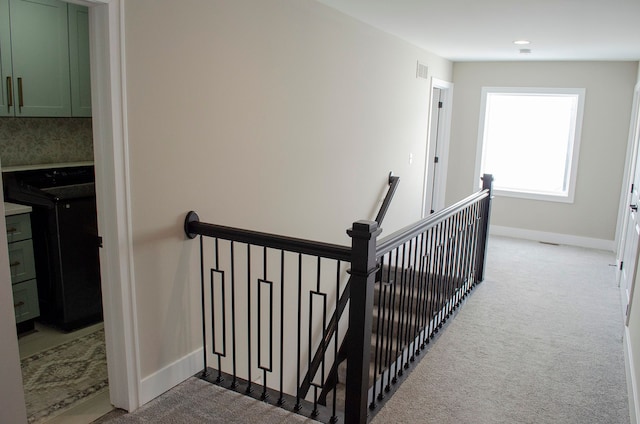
5	61
45	64
79	60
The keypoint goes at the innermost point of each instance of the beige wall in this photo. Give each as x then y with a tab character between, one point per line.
277	116
609	90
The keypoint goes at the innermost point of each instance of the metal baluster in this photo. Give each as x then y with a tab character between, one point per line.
421	302
234	382
447	271
391	314
249	388
281	398
382	297
214	349
315	411
466	251
413	300
204	328
425	309
259	330
453	234
372	405
438	277
298	405
399	346
334	417
477	219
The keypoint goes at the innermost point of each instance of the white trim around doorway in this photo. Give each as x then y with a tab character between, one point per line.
108	85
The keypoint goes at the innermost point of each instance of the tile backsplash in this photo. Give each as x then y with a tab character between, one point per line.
34	141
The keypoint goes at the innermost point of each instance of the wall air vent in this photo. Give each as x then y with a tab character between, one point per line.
421	71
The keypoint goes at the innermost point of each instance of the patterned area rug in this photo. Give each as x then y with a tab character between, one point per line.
61	377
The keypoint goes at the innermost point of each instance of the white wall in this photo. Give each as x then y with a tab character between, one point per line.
277	116
609	90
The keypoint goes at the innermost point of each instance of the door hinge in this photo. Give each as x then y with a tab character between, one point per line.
626	312
436	159
100	242
439	105
621	264
631	188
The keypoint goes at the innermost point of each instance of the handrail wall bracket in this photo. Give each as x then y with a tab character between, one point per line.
191	217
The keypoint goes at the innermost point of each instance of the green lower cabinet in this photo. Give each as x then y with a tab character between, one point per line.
25	300
22	267
21	262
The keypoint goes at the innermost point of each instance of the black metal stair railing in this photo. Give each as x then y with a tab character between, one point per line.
267	299
272	295
427	270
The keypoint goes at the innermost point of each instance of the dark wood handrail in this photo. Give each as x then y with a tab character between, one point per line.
395	239
393	185
193	227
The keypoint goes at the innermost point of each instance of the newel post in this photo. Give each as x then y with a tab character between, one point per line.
487	184
363	270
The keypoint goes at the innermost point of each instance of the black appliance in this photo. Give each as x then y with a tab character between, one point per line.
65	241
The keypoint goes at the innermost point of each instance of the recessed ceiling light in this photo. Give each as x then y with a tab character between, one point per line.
522	42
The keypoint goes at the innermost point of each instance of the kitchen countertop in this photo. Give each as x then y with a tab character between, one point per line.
45	166
13	209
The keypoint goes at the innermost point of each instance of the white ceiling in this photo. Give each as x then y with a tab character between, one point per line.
474	30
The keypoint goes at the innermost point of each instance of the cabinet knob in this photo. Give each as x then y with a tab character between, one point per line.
12	230
16	263
17	305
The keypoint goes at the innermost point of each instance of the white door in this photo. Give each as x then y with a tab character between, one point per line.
433	160
632	237
437	152
631	227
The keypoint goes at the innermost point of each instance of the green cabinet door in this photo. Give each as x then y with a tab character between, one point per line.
40	57
79	60
5	60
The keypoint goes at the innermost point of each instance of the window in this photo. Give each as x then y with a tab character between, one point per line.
529	140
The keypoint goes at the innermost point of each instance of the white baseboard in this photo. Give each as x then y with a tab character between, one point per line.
170	376
567	239
632	386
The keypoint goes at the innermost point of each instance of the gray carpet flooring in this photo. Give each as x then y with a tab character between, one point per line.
540	341
196	401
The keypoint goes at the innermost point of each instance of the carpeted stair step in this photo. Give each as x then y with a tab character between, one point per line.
423	293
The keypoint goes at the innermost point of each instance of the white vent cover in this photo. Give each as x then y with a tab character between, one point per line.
421	71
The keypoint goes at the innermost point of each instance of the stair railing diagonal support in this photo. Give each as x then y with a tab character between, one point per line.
363	269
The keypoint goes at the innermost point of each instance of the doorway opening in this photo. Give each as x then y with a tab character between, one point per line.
437	154
112	195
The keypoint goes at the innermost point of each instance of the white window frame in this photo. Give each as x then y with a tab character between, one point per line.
574	143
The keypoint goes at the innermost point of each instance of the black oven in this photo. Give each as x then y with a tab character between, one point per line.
65	241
